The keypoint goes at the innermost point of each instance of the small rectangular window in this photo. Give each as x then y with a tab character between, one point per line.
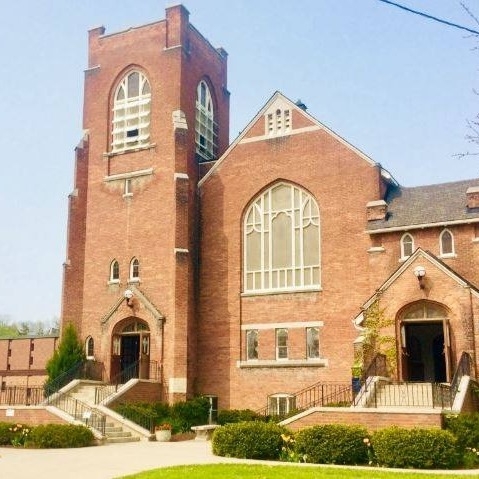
281	344
252	344
312	343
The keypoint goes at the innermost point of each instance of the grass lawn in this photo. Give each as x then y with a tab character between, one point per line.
253	471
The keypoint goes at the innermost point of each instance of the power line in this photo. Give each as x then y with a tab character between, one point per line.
431	17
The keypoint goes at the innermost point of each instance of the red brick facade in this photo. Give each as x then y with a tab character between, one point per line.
189	310
23	360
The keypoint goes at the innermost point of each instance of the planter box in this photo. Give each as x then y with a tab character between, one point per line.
163	435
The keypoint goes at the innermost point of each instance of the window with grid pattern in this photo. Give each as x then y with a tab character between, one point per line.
206	129
281	241
131	113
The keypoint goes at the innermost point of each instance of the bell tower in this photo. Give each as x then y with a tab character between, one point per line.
155	118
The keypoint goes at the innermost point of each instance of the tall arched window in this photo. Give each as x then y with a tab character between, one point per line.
446	243
135	270
206	130
114	271
407	246
131	113
281	241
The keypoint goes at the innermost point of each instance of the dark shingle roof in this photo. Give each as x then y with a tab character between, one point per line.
430	204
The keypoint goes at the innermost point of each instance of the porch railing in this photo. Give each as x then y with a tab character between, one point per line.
21	396
407	394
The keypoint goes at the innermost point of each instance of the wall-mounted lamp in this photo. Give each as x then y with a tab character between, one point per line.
128	294
420	272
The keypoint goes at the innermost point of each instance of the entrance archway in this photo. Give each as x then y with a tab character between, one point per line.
425	348
130	351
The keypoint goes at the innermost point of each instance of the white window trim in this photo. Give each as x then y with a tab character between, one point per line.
278	347
205	125
111	279
265	223
123	123
134	279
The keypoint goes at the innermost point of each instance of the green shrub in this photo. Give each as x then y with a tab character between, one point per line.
332	444
416	448
249	440
228	416
60	436
466	429
193	412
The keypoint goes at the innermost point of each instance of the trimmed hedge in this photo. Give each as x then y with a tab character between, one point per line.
249	440
416	448
49	436
332	444
228	416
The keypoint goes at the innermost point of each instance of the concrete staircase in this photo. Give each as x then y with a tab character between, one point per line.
80	396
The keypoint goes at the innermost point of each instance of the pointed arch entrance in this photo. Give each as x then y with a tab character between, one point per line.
425	343
130	350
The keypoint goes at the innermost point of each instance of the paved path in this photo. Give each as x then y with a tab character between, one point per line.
115	460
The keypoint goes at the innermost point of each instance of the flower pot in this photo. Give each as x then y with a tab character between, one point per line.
163	435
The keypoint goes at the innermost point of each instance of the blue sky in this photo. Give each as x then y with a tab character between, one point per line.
397	86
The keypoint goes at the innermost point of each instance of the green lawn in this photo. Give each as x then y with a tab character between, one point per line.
253	471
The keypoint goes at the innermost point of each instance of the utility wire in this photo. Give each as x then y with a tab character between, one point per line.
430	17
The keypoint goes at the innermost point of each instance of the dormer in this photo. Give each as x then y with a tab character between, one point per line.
472	197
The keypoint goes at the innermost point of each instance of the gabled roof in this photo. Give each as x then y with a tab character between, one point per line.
316	125
144	300
423	206
425	256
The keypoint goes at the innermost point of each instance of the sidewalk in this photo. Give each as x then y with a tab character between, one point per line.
116	460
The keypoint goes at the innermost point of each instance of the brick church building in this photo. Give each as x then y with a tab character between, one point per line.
251	270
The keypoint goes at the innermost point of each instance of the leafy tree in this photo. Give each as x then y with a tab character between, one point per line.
69	354
7	330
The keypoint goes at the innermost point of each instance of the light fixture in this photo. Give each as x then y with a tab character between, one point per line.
420	272
128	294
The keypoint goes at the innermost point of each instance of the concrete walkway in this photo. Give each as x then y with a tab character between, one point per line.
115	460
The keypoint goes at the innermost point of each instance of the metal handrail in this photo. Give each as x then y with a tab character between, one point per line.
81	412
144	419
318	394
104	392
51	387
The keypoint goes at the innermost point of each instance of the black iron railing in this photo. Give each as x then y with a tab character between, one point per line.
318	395
21	396
408	394
81	370
107	390
81	412
132	371
144	419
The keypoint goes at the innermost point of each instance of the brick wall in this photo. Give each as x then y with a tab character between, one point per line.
31	415
370	419
143	391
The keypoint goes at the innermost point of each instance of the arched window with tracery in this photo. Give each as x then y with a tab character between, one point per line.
131	113
281	241
114	271
206	129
